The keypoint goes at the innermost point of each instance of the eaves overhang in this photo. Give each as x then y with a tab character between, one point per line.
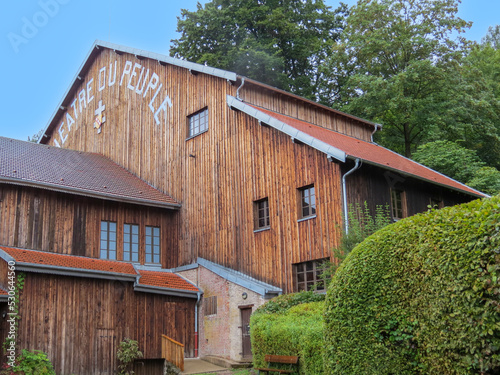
66	271
89	193
165	291
283	127
466	190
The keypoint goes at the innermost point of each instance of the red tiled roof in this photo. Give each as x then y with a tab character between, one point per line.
168	280
76	172
165	280
371	152
68	261
3	292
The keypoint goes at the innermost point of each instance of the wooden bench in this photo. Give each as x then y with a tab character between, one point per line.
292	362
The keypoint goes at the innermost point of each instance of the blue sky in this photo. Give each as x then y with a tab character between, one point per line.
44	42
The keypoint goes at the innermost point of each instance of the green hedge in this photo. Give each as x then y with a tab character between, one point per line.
290	325
420	296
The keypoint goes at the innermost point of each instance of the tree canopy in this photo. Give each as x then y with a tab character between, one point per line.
279	42
393	57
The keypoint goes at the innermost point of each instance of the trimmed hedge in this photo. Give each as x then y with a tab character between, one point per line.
420	296
290	325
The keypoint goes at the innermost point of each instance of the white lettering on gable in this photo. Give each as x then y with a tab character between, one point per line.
81	98
140	80
126	70
134	73
89	90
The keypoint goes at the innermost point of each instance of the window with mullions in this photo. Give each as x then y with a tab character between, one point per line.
108	240
398	204
307	204
152	245
261	208
198	123
131	242
309	275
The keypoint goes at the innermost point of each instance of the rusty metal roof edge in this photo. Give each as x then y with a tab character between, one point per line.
90	193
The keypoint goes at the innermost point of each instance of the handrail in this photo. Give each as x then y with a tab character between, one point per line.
172	351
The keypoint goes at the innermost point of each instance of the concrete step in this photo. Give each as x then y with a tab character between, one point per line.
199	366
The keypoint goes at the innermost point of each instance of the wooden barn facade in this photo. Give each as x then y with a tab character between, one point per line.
234	189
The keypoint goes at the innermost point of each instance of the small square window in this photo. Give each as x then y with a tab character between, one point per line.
398	204
108	240
198	123
261	213
307	203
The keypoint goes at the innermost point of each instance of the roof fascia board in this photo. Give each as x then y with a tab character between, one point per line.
340	113
78	272
88	193
478	193
287	129
170	60
98	44
247	282
165	291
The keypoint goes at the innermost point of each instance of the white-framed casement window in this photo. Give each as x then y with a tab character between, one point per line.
108	240
152	246
198	123
131	242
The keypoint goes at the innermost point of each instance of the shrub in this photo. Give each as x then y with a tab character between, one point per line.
296	328
127	353
420	296
33	362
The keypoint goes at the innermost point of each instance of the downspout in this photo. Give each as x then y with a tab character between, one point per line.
377	127
239	88
196	325
357	165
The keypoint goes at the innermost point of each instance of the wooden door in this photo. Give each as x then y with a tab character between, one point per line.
245	333
105	356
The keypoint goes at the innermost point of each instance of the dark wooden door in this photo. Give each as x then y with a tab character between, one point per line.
245	332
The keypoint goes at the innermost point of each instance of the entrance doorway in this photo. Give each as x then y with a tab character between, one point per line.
245	332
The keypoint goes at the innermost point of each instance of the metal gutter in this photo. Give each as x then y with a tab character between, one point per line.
89	193
295	134
165	291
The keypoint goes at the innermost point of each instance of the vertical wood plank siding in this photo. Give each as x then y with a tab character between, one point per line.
218	174
97	315
68	224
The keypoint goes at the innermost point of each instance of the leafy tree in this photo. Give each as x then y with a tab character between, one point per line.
279	42
459	163
450	159
492	37
396	55
469	108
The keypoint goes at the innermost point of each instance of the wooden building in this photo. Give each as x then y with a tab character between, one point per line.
243	185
